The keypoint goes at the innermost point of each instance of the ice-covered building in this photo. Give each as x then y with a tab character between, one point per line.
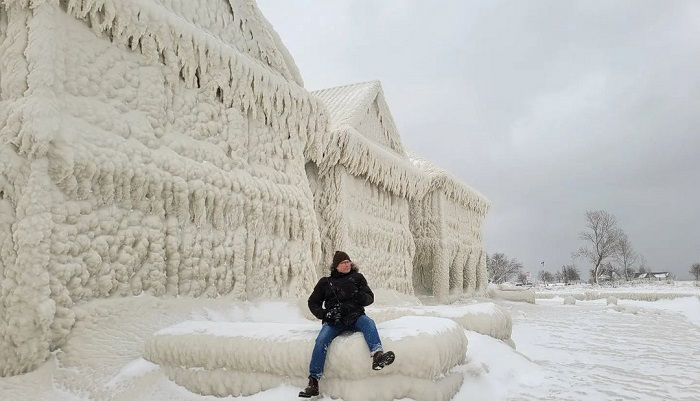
147	147
362	184
447	227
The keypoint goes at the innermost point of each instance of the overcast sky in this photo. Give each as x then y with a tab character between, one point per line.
549	108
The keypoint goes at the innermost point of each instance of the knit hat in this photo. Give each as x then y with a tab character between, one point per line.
339	257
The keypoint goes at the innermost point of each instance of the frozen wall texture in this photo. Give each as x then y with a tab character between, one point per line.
147	146
361	186
447	227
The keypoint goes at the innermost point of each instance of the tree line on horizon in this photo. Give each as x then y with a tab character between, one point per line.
606	247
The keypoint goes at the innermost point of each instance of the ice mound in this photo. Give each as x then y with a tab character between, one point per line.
612	300
242	358
569	301
484	318
512	293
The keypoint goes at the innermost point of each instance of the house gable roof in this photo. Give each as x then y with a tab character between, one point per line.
352	105
363	137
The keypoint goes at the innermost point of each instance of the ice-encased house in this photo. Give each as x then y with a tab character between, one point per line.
147	146
362	185
447	227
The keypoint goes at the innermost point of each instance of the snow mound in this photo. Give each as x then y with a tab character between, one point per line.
612	300
569	301
241	358
484	318
517	294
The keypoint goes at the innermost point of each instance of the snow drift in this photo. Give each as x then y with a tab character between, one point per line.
244	358
484	318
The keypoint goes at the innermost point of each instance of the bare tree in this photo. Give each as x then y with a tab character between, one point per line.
601	239
522	278
558	277
545	276
695	271
626	257
570	273
500	269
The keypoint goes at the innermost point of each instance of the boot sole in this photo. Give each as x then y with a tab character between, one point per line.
387	359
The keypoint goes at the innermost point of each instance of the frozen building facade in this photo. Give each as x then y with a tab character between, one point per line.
147	147
169	148
447	227
362	185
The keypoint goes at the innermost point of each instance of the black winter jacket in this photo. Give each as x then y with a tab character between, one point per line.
347	292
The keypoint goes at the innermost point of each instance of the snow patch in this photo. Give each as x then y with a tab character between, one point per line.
136	368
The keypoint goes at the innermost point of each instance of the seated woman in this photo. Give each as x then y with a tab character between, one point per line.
345	294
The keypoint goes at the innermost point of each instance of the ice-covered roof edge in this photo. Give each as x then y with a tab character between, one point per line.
192	54
362	157
275	37
441	180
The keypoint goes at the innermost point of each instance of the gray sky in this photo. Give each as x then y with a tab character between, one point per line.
549	108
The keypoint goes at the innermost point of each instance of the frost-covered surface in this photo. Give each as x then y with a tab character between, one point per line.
361	187
483	317
639	291
222	358
635	350
446	224
588	352
147	147
512	292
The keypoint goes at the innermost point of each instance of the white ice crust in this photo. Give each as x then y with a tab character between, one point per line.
484	317
361	187
244	358
446	224
147	147
168	148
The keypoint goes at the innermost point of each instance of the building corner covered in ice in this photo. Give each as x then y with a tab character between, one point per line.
362	185
147	146
447	228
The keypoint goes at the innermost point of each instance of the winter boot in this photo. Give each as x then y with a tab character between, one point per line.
381	359
311	390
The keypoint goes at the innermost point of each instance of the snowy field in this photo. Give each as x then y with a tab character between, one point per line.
634	350
651	291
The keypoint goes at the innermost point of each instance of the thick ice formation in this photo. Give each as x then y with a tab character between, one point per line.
512	293
147	147
447	227
245	358
362	184
167	147
485	318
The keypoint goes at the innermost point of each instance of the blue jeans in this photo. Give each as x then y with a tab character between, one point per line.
328	333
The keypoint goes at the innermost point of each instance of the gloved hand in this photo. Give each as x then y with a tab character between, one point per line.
358	297
333	316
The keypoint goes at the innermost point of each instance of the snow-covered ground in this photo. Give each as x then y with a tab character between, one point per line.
587	351
650	290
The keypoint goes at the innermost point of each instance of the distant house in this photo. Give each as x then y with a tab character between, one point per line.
658	276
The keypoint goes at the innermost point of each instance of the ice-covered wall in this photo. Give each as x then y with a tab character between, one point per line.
447	227
150	146
362	184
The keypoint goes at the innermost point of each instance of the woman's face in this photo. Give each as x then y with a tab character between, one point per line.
344	267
